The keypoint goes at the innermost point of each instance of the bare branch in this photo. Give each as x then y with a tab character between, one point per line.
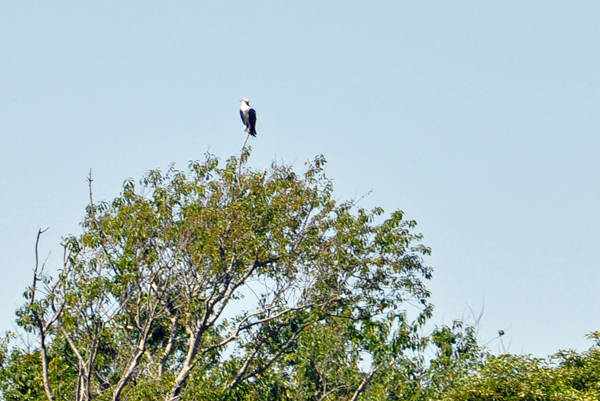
41	325
270	361
135	361
367	379
170	345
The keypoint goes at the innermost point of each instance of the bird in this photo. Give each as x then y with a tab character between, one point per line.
248	117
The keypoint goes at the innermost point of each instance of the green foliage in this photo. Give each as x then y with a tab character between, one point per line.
19	377
224	283
217	276
567	375
21	371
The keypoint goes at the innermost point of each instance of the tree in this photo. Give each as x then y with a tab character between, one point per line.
213	279
566	375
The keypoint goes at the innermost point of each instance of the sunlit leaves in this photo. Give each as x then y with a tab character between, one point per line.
236	275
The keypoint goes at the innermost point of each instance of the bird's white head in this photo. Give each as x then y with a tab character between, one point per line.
244	100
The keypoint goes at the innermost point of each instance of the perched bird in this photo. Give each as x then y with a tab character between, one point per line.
248	117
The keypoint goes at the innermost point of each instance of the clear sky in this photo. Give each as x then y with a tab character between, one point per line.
479	119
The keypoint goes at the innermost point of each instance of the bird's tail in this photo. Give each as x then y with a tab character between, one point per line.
252	132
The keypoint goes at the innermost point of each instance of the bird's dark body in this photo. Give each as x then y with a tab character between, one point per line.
252	121
249	120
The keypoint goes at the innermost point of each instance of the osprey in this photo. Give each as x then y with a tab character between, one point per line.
248	117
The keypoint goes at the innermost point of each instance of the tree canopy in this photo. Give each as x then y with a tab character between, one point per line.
220	277
222	282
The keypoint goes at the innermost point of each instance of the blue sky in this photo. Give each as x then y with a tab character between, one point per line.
478	119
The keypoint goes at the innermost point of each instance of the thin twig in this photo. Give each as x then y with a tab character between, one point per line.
89	180
239	166
36	276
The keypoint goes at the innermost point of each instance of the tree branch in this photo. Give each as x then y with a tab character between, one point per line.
366	380
42	326
270	361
